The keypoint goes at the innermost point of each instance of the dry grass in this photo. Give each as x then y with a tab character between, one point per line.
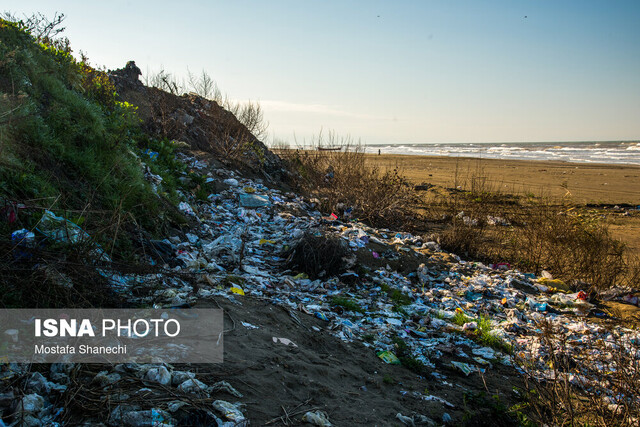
52	278
88	399
249	113
48	273
473	218
598	387
532	234
342	180
318	254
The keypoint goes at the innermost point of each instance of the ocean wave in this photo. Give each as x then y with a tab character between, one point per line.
600	152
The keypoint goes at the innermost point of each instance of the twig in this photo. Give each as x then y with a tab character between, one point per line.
230	317
292	414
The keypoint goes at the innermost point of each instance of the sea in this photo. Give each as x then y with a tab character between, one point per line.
612	152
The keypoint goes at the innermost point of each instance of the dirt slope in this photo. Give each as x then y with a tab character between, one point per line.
346	380
201	123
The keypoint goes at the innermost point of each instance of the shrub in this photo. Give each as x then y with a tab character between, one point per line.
403	352
52	277
577	391
533	235
68	143
249	113
317	254
398	297
342	179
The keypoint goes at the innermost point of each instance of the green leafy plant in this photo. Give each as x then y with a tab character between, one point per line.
347	304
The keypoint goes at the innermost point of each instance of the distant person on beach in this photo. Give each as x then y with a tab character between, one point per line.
378	151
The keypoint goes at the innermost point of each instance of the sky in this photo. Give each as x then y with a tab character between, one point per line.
388	71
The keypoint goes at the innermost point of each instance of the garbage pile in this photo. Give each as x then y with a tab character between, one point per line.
395	292
179	396
444	303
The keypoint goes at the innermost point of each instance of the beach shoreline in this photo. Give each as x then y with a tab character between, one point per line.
609	152
581	183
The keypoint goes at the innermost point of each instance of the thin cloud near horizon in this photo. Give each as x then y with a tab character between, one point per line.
286	106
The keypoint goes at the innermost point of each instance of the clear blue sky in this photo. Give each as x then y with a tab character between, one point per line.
389	71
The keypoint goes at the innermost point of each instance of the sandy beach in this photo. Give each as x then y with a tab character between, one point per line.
572	182
578	183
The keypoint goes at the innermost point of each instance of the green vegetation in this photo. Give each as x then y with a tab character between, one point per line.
403	353
488	406
398	297
460	318
164	164
347	304
67	135
482	333
369	338
69	145
485	336
388	379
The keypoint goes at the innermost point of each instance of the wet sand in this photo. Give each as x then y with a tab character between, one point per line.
576	182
